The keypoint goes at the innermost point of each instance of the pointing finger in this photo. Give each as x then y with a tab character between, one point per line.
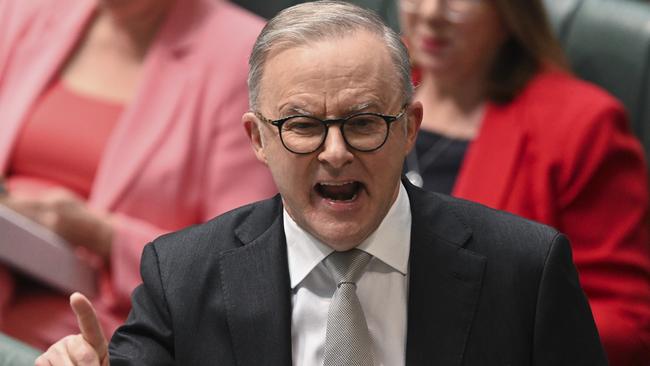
88	324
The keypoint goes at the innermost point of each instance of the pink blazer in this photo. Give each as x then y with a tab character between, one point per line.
178	155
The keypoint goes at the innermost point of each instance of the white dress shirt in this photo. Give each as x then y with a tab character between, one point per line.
382	289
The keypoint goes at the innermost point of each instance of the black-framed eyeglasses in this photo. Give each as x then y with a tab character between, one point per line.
363	132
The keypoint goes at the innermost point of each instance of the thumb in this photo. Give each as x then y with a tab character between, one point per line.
88	324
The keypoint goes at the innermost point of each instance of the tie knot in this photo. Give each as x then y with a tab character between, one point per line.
347	266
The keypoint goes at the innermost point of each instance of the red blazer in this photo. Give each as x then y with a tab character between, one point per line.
562	154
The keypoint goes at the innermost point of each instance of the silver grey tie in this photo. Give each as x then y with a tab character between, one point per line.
348	340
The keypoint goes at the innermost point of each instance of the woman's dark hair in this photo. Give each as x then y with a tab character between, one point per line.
531	46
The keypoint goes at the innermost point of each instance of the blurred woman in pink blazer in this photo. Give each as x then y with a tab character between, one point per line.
120	121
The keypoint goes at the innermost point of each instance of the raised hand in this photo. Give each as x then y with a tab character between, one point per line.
89	348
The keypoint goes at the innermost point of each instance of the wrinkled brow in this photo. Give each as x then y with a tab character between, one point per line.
350	110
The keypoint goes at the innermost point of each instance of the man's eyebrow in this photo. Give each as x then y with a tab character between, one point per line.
292	110
361	107
297	110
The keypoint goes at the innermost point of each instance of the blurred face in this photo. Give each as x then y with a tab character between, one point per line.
452	37
137	9
337	194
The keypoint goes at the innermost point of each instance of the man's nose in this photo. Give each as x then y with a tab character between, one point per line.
336	151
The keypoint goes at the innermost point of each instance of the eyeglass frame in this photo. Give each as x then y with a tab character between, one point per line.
389	119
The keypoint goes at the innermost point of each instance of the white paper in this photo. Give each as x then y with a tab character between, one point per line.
38	252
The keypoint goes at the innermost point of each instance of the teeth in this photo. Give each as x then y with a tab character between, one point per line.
336	184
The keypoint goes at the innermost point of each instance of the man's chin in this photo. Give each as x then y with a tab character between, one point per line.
341	238
342	247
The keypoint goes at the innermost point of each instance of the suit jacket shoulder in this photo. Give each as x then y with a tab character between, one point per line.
190	247
483	226
210	292
490	288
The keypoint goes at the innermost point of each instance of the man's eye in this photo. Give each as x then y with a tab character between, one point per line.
360	122
364	124
302	126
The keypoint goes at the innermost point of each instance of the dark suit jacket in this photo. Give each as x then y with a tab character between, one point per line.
485	288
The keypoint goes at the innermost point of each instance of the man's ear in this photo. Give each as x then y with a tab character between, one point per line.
254	132
414	115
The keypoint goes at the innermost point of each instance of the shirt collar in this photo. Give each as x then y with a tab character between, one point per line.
390	243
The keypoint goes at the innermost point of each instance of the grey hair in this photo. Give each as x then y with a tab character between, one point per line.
323	20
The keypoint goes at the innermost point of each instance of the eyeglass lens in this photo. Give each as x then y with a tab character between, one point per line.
363	132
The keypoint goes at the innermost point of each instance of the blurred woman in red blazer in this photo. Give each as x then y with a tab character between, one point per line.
506	125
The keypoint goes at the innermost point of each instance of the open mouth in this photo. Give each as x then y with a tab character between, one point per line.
339	191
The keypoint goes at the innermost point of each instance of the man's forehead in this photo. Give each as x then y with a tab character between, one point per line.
354	73
330	101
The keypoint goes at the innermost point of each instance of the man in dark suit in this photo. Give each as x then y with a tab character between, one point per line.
349	265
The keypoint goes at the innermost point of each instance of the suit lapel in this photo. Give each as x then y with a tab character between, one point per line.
489	167
256	286
444	283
